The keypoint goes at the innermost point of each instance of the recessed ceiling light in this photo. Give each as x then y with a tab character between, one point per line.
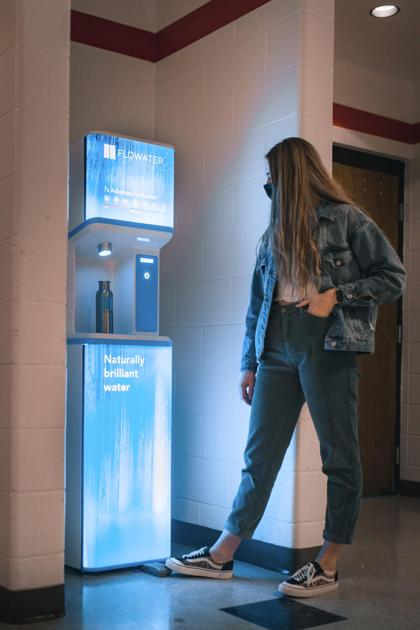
105	248
384	10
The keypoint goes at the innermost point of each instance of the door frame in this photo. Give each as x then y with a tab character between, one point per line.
392	166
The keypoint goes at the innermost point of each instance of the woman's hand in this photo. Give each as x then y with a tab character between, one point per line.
320	304
246	386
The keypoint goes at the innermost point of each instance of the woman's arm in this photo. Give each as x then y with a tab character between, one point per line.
248	359
385	275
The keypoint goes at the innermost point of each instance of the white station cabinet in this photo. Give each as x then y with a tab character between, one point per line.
119	379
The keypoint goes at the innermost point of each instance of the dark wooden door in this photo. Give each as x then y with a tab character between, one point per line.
378	193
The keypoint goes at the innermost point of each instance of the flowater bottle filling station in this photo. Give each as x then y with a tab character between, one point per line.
119	369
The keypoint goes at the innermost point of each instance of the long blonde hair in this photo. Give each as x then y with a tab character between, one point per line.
300	182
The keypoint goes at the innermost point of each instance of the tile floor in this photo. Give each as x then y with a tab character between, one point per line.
379	588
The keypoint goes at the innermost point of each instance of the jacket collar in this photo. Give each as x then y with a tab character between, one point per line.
325	209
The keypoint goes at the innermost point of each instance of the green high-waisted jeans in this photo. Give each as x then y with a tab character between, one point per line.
295	367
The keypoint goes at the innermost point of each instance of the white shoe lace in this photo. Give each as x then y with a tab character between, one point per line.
305	573
194	554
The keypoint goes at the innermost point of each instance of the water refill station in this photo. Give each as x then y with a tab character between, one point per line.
119	369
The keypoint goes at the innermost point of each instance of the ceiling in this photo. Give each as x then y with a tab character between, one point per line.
389	45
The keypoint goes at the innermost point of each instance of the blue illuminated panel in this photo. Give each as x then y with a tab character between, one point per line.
126	454
146	293
129	180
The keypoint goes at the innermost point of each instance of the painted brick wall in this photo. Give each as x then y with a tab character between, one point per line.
224	101
34	118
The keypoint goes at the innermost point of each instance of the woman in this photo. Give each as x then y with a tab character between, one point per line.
322	268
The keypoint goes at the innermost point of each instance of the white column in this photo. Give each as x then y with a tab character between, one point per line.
34	118
315	125
224	101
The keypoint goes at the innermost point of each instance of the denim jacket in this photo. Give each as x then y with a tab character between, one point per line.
355	256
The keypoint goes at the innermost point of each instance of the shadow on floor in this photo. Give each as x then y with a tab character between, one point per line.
379	587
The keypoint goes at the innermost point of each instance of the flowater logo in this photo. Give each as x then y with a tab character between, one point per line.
109	152
141	157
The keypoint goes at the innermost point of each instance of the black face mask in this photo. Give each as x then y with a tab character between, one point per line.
268	189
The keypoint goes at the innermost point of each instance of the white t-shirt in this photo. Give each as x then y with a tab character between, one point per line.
290	295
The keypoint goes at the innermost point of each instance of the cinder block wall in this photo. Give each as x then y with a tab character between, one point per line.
223	102
111	92
34	118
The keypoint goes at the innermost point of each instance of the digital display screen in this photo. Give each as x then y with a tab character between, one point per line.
126	454
129	180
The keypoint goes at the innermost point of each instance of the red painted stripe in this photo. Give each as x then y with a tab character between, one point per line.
200	22
374	124
137	42
119	38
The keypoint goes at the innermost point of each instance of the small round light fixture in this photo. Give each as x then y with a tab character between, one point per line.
105	248
385	10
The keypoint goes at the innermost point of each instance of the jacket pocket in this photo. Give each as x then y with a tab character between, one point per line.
341	265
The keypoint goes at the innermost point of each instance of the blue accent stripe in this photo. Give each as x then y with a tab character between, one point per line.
147	226
82	464
120	566
119	341
84	176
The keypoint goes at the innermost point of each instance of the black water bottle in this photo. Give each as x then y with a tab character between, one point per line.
104	308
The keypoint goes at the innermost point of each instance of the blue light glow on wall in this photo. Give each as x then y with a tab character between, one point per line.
129	180
126	454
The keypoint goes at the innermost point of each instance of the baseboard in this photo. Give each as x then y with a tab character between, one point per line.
409	488
31	605
260	553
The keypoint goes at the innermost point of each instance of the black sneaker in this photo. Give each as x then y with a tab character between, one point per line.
308	581
200	563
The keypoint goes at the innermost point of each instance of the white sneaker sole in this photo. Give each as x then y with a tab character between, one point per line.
297	591
174	565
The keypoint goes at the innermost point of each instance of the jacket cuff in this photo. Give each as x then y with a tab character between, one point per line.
354	293
247	366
